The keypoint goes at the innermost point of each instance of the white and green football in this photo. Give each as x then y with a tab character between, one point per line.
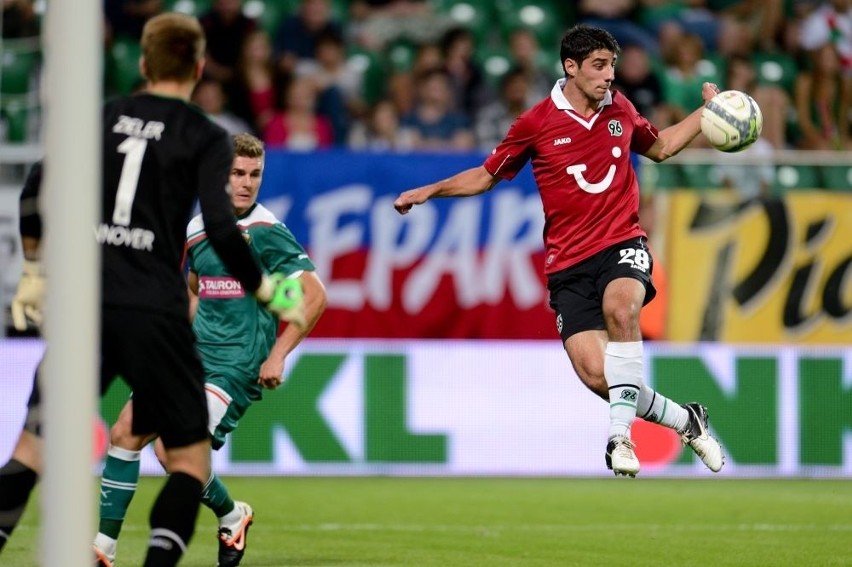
731	121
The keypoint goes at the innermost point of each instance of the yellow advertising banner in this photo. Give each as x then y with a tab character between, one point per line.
776	270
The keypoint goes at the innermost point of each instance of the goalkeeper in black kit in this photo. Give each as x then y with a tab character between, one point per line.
160	154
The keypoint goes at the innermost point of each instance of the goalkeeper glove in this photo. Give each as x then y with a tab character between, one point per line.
27	303
284	297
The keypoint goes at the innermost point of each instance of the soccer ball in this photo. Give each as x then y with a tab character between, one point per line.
731	121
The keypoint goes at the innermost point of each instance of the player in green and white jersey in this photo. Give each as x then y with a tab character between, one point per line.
240	348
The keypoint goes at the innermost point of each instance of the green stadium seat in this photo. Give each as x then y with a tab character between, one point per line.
494	63
475	15
700	176
837	177
122	65
548	19
15	113
372	67
789	177
656	176
18	63
400	55
776	69
191	7
268	14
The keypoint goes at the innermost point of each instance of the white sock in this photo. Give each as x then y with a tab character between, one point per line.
623	371
106	544
656	408
231	517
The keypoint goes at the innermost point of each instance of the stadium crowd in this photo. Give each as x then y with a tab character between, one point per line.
409	75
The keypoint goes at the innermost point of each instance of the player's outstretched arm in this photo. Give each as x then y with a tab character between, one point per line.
677	136
464	184
313	306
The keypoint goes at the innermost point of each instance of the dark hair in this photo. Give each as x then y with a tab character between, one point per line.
513	73
579	42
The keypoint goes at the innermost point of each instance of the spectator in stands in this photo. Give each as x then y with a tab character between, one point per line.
830	23
401	83
226	29
434	124
684	74
526	54
340	85
764	19
379	22
125	18
618	17
380	131
494	120
773	101
468	81
636	79
824	93
823	98
296	37
298	126
210	96
253	95
671	21
19	19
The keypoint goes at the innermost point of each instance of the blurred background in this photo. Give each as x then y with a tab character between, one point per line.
438	353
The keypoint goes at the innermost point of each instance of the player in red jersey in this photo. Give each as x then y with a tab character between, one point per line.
597	261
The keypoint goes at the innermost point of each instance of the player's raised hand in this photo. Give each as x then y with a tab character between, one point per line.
408	199
28	300
284	297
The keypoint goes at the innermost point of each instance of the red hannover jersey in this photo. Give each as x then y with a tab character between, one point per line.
588	186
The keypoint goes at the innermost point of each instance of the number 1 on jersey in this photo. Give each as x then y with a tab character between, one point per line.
134	151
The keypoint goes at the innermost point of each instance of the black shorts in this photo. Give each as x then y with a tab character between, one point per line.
155	354
576	293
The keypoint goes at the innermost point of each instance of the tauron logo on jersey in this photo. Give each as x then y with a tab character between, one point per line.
219	288
615	128
561	141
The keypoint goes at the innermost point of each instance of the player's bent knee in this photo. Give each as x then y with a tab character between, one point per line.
193	460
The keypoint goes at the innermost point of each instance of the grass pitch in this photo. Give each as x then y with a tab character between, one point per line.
471	522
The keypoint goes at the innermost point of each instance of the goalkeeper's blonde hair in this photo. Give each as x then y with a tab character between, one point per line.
246	145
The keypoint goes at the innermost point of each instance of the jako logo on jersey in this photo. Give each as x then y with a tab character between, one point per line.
247	237
219	288
561	141
589	186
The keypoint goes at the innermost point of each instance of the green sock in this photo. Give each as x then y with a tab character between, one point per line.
118	485
216	497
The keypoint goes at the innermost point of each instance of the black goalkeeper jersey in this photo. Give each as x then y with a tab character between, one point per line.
159	155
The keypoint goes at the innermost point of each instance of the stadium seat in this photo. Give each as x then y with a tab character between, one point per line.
837	177
788	177
400	55
371	66
191	7
661	176
122	65
494	63
776	69
700	176
15	114
267	13
18	62
474	15
548	19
